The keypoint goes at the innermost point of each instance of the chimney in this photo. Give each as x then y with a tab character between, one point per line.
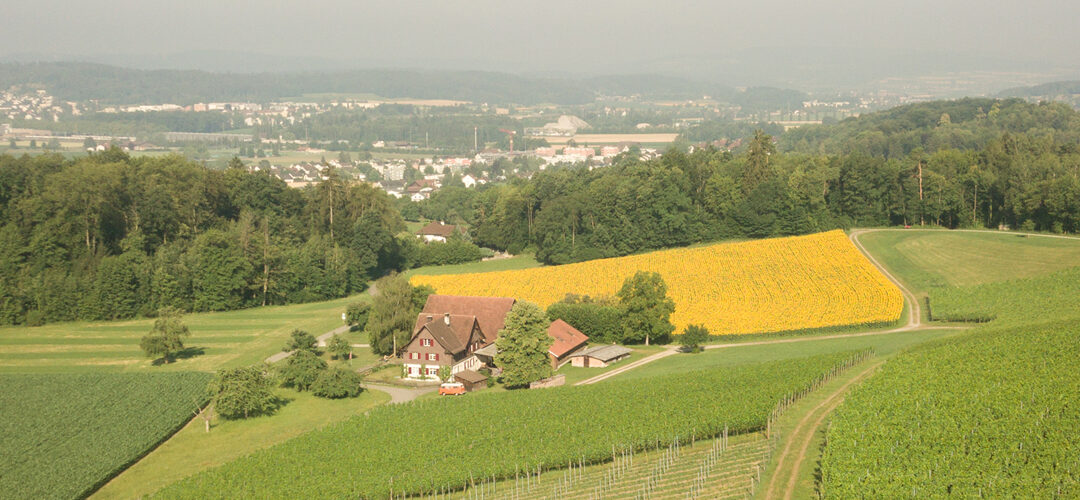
446	319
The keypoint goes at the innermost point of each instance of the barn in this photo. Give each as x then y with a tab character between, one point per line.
600	356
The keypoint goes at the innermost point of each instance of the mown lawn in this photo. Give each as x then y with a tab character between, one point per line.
928	259
218	340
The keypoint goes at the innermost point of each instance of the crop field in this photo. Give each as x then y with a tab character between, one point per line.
193	449
927	259
63	435
989	413
779	284
364	457
225	339
714	468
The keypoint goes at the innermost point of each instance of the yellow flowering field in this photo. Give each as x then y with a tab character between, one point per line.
778	284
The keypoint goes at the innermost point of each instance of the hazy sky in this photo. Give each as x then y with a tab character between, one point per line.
517	35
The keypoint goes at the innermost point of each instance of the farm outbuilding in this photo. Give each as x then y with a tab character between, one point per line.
471	380
600	356
567	341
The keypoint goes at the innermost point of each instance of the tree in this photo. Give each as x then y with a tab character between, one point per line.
647	308
356	315
757	161
166	338
523	344
301	370
235	163
393	313
693	337
337	383
300	340
339	347
243	392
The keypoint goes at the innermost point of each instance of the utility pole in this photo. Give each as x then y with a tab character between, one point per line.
475	144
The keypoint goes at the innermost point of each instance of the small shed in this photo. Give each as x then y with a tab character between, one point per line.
600	356
472	380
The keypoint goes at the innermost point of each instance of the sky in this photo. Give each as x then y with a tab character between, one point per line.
598	36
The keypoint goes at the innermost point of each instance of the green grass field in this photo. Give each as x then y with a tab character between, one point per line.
883	344
62	435
224	339
927	259
193	449
522	261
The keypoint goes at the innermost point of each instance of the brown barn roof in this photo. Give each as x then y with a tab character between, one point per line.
438	229
567	338
490	312
469	376
454	337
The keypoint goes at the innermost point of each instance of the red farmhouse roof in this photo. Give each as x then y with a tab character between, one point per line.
567	338
490	312
438	229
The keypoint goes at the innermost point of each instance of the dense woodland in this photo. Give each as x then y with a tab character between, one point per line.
107	236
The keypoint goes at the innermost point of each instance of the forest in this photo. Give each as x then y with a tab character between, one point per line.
1014	165
109	236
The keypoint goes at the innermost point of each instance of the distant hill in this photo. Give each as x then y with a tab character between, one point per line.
1046	90
80	81
968	123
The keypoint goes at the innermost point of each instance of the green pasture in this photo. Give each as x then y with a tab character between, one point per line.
927	259
218	340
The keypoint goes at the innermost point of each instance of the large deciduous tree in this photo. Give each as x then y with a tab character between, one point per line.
647	308
243	392
523	345
166	338
393	313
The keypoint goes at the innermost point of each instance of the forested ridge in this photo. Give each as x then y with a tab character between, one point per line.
1017	165
108	236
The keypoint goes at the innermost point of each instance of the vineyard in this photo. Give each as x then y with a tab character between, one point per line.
771	285
716	468
444	445
62	436
990	413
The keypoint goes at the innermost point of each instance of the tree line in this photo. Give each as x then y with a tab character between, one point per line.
107	236
1021	180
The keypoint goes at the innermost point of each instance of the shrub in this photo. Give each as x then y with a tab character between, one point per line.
337	383
693	337
602	323
301	370
243	392
300	340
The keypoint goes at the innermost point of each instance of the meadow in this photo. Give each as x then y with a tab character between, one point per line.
508	434
772	285
927	259
63	435
218	340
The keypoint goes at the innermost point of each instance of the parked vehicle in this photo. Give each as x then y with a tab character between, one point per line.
451	389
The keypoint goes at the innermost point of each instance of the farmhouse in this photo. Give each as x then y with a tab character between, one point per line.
449	331
438	231
600	356
568	341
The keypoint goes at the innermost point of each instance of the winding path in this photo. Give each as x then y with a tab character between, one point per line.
322	343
